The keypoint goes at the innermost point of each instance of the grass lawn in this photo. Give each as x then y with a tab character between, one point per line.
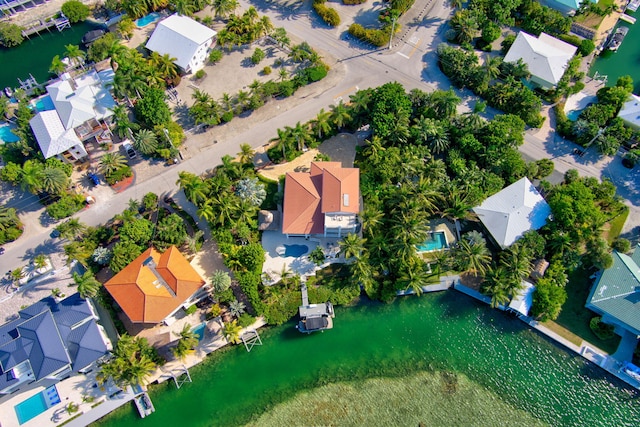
616	224
593	20
575	317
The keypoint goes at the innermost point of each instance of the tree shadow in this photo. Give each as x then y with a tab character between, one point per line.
182	116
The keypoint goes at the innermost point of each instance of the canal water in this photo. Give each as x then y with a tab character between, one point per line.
412	337
34	55
626	61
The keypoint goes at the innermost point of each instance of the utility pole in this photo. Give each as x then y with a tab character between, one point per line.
393	28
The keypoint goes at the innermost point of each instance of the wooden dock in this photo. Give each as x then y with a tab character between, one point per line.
40	25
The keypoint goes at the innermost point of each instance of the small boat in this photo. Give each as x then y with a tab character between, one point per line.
92	36
633	5
617	38
8	91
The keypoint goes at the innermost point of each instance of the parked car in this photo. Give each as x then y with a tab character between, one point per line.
94	178
128	148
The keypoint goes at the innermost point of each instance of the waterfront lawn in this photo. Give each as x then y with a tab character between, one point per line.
593	20
575	316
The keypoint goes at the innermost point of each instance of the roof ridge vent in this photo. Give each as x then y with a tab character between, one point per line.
151	265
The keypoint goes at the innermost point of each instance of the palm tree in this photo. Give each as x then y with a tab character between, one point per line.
57	67
474	257
222	8
517	261
31	176
322	123
71	229
75	55
111	162
492	66
183	7
340	115
8	218
192	185
236	308
283	74
17	274
220	281
246	153
231	332
146	142
465	26
300	133
165	64
54	180
455	207
415	277
88	285
352	245
495	285
444	103
121	118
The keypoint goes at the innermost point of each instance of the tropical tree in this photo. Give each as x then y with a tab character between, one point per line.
165	64
75	54
132	362
220	281
88	285
121	119
496	284
57	67
465	25
146	141
193	186
352	246
31	176
231	331
183	7
54	180
517	261
236	308
17	274
223	8
111	162
101	255
340	115
415	277
186	344
71	229
246	153
473	256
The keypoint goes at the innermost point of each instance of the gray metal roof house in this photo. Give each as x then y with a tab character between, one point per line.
616	292
49	340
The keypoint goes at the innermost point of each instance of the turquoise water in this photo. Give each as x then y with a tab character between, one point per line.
625	61
199	331
5	133
37	404
437	241
444	331
44	104
295	250
573	115
34	56
146	20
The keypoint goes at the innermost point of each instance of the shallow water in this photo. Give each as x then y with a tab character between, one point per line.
445	331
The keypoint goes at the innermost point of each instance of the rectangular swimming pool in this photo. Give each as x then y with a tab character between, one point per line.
437	242
199	331
35	405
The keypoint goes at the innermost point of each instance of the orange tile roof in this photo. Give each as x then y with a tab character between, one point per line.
138	292
327	187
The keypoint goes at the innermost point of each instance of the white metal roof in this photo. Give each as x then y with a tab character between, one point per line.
514	210
81	99
523	301
179	36
630	111
51	135
546	56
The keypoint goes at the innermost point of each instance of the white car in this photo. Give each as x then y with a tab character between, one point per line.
128	148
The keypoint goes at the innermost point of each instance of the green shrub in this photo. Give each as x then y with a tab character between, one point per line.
621	245
507	42
213	312
225	296
119	175
586	47
246	320
150	201
66	206
10	34
258	55
200	74
249	283
266	70
215	56
227	117
350	2
571	39
314	74
375	37
328	14
191	309
75	10
600	329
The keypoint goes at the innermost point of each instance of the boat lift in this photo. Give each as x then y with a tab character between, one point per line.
250	339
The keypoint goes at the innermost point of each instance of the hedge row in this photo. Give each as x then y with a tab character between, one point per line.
328	14
585	46
375	37
66	206
350	2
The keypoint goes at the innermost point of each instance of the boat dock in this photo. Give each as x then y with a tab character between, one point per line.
36	27
314	317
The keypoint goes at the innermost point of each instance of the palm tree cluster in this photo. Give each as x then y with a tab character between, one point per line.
186	344
243	29
10	225
132	363
503	281
50	177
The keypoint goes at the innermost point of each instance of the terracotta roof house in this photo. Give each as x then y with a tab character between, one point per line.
616	293
48	341
154	286
546	57
513	211
184	39
324	201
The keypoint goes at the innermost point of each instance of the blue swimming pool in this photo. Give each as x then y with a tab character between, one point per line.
573	115
146	20
435	242
5	133
44	104
295	250
199	330
35	405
